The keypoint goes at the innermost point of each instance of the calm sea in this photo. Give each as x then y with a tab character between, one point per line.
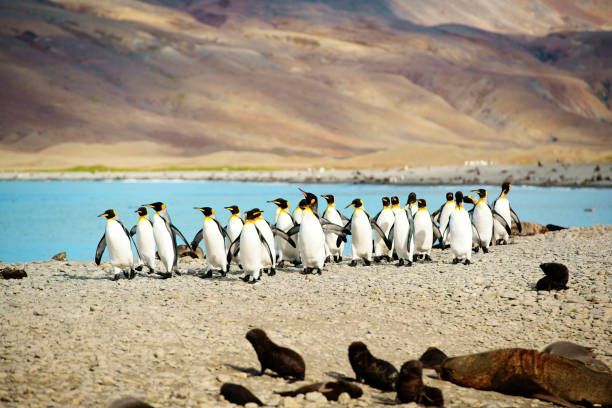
41	218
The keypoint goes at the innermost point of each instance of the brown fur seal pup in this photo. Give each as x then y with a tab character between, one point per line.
410	387
572	351
237	394
556	277
283	361
331	390
370	370
531	374
129	402
432	358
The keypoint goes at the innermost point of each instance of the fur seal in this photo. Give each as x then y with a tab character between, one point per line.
556	277
410	387
331	390
129	402
573	351
370	370
282	360
237	394
530	374
432	358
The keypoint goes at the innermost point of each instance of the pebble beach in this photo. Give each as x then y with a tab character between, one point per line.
69	336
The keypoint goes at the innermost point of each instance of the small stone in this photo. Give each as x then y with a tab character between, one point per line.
344	398
107	381
250	405
290	402
315	397
59	257
159	354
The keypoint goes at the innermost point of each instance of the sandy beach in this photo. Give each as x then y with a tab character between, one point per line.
72	337
474	173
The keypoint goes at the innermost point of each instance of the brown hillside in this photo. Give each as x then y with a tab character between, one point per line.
344	83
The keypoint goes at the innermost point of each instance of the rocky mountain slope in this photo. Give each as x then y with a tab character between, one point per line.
343	83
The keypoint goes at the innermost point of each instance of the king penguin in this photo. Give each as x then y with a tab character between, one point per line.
117	238
441	216
360	226
284	222
214	236
311	238
332	215
385	219
425	231
412	203
250	244
165	238
460	230
268	254
145	241
503	208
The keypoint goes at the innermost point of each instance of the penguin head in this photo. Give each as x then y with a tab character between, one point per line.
449	196
394	200
386	201
459	198
412	198
303	204
142	211
329	198
469	199
281	203
357	203
482	193
234	209
311	200
422	203
506	187
253	214
157	206
207	211
109	214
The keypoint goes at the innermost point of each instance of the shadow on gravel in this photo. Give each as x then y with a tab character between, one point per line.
82	277
383	400
253	371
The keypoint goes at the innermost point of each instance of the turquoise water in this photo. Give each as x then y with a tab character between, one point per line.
41	218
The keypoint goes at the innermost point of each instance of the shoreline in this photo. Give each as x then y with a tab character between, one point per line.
544	175
74	337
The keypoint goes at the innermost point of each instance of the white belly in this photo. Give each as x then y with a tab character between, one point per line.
331	215
118	244
311	242
446	211
250	250
460	234
214	243
400	234
423	232
502	206
385	221
361	231
145	241
163	239
483	221
269	237
285	251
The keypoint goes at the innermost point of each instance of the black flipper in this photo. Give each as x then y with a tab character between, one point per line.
343	217
280	233
516	219
100	249
435	217
436	233
265	243
376	216
221	229
497	216
236	246
179	233
380	232
133	231
293	230
411	231
197	239
477	234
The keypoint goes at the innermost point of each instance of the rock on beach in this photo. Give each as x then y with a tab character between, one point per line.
173	342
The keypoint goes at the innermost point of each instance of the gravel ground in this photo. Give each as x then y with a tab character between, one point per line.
69	336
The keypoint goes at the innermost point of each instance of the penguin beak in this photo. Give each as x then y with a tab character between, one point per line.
199	209
303	192
102	215
350	205
148	205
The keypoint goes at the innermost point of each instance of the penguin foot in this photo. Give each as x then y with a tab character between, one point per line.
485	250
251	282
132	274
328	259
338	258
466	262
223	273
139	268
376	259
245	278
165	275
207	274
408	263
319	271
115	277
387	258
400	263
265	270
455	261
296	263
272	272
353	263
366	262
475	249
427	258
395	257
305	271
177	272
126	274
418	256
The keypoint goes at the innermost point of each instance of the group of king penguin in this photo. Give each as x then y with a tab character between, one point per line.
403	233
